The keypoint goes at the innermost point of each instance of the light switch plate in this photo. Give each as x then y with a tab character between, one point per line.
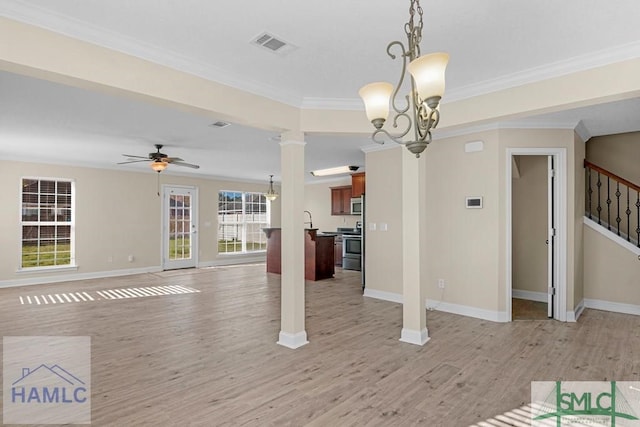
383	226
372	226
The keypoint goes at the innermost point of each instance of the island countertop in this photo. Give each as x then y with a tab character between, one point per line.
318	253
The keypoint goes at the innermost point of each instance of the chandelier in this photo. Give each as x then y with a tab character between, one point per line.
271	194
427	87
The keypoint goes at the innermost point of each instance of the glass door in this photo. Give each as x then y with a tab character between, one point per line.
180	242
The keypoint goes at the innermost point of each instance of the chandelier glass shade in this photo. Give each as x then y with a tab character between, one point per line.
419	112
271	194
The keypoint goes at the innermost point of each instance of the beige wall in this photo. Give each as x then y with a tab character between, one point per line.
610	270
383	260
118	214
317	200
462	244
529	222
579	148
619	154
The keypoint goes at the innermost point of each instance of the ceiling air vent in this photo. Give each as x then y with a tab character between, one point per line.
219	124
273	44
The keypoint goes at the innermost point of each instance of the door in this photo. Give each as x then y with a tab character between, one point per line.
179	230
554	253
551	237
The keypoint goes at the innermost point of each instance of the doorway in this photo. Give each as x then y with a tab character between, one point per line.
179	230
536	233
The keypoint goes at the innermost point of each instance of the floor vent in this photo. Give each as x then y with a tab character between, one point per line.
273	44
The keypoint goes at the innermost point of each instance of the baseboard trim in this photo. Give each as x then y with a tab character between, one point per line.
616	307
529	295
43	280
465	310
573	316
292	341
412	336
462	310
383	295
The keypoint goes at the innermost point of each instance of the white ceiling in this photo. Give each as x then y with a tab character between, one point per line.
339	46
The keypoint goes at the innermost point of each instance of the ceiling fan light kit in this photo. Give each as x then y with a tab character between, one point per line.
427	74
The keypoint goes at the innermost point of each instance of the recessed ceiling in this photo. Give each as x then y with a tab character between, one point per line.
339	46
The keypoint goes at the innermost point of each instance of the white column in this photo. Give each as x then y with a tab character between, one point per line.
292	320
414	315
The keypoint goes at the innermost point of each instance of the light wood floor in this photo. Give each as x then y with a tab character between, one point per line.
210	358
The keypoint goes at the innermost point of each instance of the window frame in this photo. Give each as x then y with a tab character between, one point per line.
71	223
244	223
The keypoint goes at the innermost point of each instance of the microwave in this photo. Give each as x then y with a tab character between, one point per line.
356	206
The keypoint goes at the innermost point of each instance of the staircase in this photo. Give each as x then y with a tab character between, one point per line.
612	202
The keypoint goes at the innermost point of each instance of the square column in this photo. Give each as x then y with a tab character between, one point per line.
292	318
414	315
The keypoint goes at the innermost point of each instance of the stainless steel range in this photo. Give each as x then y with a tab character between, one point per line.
351	248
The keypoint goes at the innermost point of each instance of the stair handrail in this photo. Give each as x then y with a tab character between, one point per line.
612	175
620	216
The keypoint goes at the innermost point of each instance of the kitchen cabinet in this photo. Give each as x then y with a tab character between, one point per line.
357	184
341	200
338	250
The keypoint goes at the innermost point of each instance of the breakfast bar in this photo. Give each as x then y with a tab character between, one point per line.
318	253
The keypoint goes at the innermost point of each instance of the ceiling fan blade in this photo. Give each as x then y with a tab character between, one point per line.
136	157
189	165
172	159
132	161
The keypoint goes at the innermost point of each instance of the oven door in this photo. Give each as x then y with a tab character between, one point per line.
352	253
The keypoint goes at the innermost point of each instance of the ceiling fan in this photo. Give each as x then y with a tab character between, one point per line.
159	161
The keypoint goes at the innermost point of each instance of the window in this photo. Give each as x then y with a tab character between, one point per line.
47	223
241	218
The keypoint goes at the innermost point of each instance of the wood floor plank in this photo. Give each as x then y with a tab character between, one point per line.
211	359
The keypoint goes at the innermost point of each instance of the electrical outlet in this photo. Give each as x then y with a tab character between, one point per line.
441	283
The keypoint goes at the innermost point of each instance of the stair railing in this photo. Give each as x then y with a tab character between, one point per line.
626	196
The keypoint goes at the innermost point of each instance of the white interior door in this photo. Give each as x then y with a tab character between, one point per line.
179	228
551	237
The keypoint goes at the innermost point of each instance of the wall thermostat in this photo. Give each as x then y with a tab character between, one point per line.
474	202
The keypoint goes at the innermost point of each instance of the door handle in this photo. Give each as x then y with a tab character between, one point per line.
546	242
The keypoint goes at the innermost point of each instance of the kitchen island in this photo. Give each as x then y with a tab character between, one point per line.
318	253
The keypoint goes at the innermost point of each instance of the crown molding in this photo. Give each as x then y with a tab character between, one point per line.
372	148
577	127
583	132
65	25
33	15
555	69
349	104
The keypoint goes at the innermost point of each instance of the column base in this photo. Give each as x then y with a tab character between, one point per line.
413	336
292	341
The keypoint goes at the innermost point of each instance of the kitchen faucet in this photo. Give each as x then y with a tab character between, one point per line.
310	220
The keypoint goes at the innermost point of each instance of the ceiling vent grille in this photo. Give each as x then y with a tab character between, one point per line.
219	124
273	44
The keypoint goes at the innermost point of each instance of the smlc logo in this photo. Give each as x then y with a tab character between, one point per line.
48	384
587	403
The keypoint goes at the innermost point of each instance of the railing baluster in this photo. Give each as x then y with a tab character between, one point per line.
632	221
599	209
608	204
590	189
618	194
628	212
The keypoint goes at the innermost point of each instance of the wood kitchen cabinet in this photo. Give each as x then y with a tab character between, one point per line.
341	200
357	184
